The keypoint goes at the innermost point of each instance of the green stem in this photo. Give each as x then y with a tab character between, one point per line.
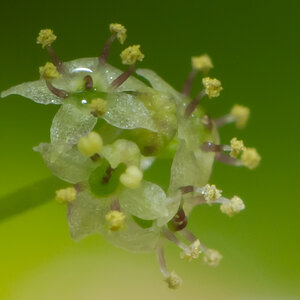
29	197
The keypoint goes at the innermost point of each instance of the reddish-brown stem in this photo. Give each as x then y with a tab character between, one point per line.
123	77
105	51
189	82
57	92
193	105
55	60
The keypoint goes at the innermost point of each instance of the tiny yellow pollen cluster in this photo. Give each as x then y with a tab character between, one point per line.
119	30
241	115
46	37
233	206
250	158
131	54
193	251
98	107
115	220
212	87
202	63
211	193
65	195
174	281
49	71
132	177
90	144
237	147
212	257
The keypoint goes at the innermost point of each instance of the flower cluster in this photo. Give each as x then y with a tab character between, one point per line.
111	133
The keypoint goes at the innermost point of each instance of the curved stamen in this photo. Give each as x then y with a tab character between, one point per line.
55	60
189	82
123	77
193	105
57	92
106	49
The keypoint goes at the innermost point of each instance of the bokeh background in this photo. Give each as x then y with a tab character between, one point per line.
255	49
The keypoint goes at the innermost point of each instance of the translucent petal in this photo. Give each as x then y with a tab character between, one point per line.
34	90
70	123
133	237
86	215
66	162
190	167
158	83
127	112
147	202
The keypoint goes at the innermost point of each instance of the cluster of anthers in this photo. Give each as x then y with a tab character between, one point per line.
111	135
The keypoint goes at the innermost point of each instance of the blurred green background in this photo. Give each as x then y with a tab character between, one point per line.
255	49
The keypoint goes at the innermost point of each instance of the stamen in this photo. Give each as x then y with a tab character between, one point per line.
193	105
66	195
212	87
115	220
211	147
238	114
162	261
226	159
189	82
88	85
212	257
55	60
105	51
172	238
186	189
57	92
118	31
123	77
232	206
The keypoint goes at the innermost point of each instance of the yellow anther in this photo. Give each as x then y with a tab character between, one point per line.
119	30
115	220
237	146
233	206
131	54
250	158
49	71
192	253
132	177
212	257
211	193
66	195
212	87
90	144
174	281
46	37
202	63
241	115
98	107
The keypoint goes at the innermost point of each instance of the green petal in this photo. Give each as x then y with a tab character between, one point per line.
127	112
34	90
70	124
66	162
147	202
